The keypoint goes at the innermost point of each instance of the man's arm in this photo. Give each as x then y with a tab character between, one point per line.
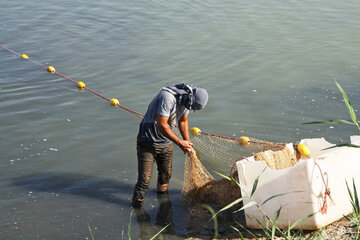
164	128
184	127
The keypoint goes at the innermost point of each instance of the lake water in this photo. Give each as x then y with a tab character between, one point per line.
68	158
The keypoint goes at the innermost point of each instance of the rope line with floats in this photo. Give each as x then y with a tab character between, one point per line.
243	141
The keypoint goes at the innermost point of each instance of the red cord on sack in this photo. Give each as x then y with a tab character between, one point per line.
327	190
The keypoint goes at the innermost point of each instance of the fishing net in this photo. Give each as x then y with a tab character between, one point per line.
200	186
220	154
280	159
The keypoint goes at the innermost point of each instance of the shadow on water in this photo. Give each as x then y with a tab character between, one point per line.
76	184
104	190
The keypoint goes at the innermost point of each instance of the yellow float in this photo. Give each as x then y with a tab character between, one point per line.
303	150
244	141
195	131
51	69
114	102
81	85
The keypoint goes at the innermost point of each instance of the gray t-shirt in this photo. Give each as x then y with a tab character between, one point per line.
166	105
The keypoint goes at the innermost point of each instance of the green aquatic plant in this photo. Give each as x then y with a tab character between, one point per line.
159	232
349	107
216	228
129	225
354	218
129	230
91	234
352	114
354	199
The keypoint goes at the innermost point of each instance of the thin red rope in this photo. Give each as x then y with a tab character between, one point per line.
10	50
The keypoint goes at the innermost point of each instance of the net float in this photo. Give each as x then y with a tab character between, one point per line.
51	69
81	85
114	102
303	150
244	141
195	131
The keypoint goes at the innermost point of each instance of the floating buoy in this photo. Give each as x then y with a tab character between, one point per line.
51	69
114	102
244	141
24	56
303	150
81	85
195	131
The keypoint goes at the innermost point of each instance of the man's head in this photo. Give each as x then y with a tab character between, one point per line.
193	98
200	98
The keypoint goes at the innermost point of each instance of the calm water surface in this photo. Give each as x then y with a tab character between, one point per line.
68	158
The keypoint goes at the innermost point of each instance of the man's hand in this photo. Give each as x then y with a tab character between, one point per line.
164	128
186	146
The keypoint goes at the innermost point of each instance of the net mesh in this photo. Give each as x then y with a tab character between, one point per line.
279	159
200	186
220	154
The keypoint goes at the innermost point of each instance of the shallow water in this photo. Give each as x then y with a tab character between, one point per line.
68	158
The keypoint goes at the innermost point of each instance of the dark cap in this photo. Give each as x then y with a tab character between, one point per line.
201	98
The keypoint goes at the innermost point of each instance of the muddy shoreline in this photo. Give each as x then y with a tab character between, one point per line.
340	229
204	229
